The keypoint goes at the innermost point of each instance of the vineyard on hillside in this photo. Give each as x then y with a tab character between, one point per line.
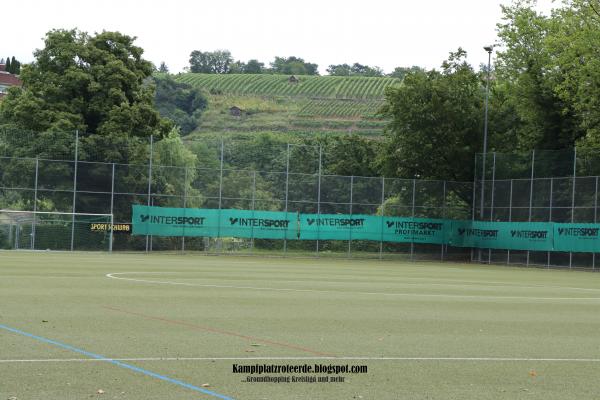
341	108
326	87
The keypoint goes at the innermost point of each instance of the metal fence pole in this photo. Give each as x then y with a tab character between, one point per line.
531	192
382	215
573	199
74	188
443	213
150	180
35	194
492	200
550	213
412	242
253	207
319	192
287	189
351	199
112	207
185	178
219	241
510	201
595	221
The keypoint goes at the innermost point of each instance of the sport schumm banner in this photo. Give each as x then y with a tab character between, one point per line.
537	236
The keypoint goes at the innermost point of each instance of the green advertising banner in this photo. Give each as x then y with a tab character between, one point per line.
340	227
417	230
537	236
165	221
258	224
502	235
577	237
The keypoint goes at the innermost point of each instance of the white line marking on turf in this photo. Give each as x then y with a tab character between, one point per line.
140	359
113	276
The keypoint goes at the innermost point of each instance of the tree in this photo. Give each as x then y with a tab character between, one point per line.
436	126
179	102
401	72
94	84
210	62
339	70
293	66
254	67
7	65
163	67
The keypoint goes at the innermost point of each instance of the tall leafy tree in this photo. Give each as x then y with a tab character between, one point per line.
293	66
211	62
436	123
94	84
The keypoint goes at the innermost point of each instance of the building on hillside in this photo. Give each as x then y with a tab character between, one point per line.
236	111
293	80
7	80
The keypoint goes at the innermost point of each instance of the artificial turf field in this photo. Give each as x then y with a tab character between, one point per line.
180	322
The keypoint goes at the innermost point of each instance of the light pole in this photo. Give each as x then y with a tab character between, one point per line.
489	49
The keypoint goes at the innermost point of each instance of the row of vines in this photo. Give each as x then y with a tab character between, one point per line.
330	87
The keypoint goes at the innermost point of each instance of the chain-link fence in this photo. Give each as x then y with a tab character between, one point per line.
222	175
539	186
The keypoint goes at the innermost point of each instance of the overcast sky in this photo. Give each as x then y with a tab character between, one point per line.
377	32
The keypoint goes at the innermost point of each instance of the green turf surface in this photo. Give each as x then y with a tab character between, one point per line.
475	332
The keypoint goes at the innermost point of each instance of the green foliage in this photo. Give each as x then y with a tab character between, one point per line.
293	66
211	62
437	123
94	84
163	68
179	102
401	72
355	70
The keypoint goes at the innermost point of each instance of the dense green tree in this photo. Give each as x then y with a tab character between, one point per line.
436	126
180	102
254	67
211	62
7	65
401	72
354	69
293	66
94	84
339	70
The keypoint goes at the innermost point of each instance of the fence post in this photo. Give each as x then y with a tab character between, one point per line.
412	241
185	178
35	193
510	201
254	207
351	194
150	180
319	193
492	201
287	188
595	221
531	193
382	217
443	213
219	240
112	207
573	199
74	188
550	212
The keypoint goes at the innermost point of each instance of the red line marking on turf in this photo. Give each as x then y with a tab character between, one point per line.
223	332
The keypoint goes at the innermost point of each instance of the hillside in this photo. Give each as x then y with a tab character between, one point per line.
273	103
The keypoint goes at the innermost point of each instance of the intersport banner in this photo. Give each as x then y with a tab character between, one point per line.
502	235
577	237
166	221
537	236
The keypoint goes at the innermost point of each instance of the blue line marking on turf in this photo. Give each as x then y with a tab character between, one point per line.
118	363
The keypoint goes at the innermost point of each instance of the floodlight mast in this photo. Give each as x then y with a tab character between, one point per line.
489	50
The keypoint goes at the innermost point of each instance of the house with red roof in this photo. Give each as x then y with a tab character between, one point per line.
7	80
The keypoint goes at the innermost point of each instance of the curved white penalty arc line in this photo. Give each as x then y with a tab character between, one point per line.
241	359
114	276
